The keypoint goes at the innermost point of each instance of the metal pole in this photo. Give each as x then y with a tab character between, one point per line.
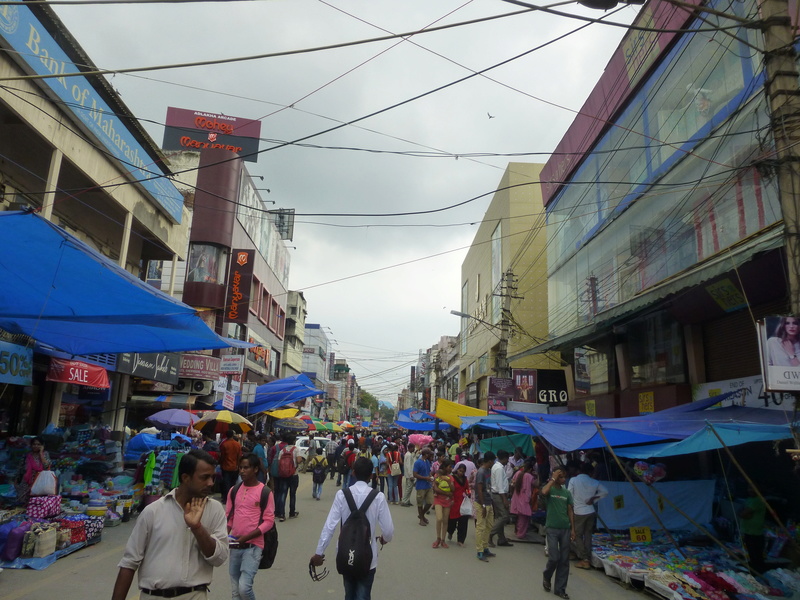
636	489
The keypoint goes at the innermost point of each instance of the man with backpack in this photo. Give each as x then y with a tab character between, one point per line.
318	467
284	470
250	509
359	509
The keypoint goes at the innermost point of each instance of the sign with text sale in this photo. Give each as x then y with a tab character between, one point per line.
641	535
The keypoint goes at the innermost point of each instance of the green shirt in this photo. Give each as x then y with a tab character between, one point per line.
754	524
558	499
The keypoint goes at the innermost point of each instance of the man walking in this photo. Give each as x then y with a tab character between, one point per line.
409	480
560	525
424	484
500	500
247	524
585	491
230	451
377	514
184	529
484	511
330	454
287	480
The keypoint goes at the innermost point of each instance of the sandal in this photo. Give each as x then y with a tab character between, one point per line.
444	544
435	544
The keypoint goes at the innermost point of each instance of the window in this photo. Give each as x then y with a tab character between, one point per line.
655	348
207	264
273	315
255	296
281	330
464	321
471	372
263	313
483	363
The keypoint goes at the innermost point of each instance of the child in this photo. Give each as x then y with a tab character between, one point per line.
443	488
317	466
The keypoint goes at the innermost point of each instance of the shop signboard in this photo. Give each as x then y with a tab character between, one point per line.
750	392
524	381
228	400
199	366
501	391
779	346
16	364
77	372
156	366
240	281
231	363
551	387
196	130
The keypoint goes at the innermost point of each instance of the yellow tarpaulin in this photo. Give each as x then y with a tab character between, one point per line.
283	413
451	412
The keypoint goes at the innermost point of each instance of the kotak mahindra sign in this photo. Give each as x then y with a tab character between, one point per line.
196	130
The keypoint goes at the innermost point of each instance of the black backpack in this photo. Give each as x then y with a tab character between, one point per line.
341	464
318	470
271	537
354	553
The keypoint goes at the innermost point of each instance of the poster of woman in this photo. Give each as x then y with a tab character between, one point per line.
779	342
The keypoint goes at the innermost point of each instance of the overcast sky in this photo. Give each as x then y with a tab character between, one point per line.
380	316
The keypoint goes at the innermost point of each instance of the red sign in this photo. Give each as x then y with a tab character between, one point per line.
240	280
199	366
213	123
75	371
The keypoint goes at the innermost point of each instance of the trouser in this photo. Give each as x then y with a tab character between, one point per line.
461	523
557	558
345	479
281	491
584	527
228	481
243	566
316	490
500	519
754	544
294	481
332	463
484	520
408	489
382	480
198	595
359	589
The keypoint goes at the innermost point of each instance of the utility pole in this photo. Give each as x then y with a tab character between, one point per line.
783	95
501	358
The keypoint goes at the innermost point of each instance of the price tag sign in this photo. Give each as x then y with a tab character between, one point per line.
641	535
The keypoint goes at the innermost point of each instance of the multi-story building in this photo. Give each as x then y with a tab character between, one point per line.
503	286
665	229
72	150
317	358
295	334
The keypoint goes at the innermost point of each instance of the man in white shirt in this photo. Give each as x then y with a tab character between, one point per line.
178	540
585	491
408	474
500	500
377	514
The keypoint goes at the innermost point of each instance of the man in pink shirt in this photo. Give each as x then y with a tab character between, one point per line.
246	526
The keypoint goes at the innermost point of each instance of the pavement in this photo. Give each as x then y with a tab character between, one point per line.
407	567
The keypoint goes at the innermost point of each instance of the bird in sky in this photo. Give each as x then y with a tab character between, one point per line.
490	116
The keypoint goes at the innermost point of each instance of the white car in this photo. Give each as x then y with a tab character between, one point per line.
302	445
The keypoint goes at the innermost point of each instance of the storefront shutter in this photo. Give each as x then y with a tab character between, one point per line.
731	345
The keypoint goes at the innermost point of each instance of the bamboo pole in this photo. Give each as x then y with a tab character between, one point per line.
751	483
636	489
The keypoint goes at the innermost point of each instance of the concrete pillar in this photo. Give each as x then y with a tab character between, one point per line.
52	183
126	240
623	366
172	275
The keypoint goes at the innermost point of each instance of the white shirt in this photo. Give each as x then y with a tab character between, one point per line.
582	487
499	481
165	552
377	513
408	464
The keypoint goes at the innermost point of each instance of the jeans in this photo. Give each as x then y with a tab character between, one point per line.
501	517
294	481
243	566
346	480
359	589
228	481
394	494
382	483
316	490
281	490
557	558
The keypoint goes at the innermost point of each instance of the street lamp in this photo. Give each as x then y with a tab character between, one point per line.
501	356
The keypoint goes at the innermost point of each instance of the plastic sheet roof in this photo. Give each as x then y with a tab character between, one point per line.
59	291
275	394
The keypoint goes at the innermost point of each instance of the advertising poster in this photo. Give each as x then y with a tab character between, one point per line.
583	380
779	345
524	385
501	391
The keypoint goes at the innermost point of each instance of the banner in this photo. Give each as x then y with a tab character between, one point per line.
16	364
501	391
779	345
77	372
199	366
240	280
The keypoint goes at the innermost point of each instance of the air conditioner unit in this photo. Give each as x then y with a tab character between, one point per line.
183	385
201	387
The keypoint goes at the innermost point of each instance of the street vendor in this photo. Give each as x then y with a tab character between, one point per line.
36	461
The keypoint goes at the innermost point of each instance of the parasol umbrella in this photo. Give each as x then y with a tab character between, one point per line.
346	424
292	424
172	417
315	424
220	421
333	427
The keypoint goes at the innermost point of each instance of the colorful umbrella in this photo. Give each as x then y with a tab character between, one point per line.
334	427
346	424
292	424
220	421
172	417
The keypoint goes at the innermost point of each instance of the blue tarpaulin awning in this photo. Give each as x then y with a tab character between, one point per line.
59	291
275	394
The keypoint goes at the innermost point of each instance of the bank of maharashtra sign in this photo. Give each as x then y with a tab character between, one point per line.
779	345
33	46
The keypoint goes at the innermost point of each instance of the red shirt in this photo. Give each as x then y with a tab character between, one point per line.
230	452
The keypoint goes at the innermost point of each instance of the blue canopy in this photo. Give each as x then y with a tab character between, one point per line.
62	293
733	434
415	419
145	442
275	394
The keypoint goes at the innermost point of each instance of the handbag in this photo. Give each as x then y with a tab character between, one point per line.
395	470
466	507
45	484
